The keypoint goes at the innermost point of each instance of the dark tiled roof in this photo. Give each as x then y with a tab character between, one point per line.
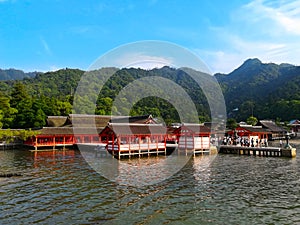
84	120
256	129
195	128
68	130
145	119
271	125
136	129
99	121
56	121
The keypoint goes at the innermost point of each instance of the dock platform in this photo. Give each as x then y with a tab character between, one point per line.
258	151
136	149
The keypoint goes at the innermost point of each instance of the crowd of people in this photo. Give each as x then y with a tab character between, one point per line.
245	141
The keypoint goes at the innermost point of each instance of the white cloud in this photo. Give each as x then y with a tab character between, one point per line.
155	55
54	68
44	69
47	50
228	60
284	15
219	61
268	30
144	61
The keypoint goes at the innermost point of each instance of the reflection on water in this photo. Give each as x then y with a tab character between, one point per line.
61	188
135	171
202	170
50	158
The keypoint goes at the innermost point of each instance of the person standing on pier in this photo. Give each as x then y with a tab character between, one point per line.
252	142
280	143
266	142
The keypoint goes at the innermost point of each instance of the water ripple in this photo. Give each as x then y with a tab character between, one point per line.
60	188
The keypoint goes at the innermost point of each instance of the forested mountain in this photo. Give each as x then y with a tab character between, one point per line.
266	91
27	103
13	74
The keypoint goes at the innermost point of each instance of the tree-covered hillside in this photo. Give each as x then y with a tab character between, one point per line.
134	80
13	74
27	103
266	90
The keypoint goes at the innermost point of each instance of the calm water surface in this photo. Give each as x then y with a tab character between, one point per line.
61	188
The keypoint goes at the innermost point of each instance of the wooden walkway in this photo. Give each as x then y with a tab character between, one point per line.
137	149
257	151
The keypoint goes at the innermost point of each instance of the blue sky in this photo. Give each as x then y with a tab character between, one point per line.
48	35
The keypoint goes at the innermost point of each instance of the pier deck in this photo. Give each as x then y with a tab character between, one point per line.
257	151
137	149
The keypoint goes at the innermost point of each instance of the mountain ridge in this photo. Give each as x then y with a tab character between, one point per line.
264	84
15	74
264	90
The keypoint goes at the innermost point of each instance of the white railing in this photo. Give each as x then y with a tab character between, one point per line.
127	147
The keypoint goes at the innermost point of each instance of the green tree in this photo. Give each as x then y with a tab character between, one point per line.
39	118
104	106
231	123
1	118
64	108
9	135
252	120
7	112
22	101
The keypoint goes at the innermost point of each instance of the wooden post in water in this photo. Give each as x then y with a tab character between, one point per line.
36	143
288	152
64	145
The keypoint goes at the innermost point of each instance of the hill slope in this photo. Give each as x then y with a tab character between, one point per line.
264	90
52	93
268	90
13	74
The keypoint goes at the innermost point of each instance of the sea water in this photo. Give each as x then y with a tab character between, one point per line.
59	187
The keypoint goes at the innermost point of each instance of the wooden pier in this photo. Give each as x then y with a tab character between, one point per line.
135	139
258	151
137	149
